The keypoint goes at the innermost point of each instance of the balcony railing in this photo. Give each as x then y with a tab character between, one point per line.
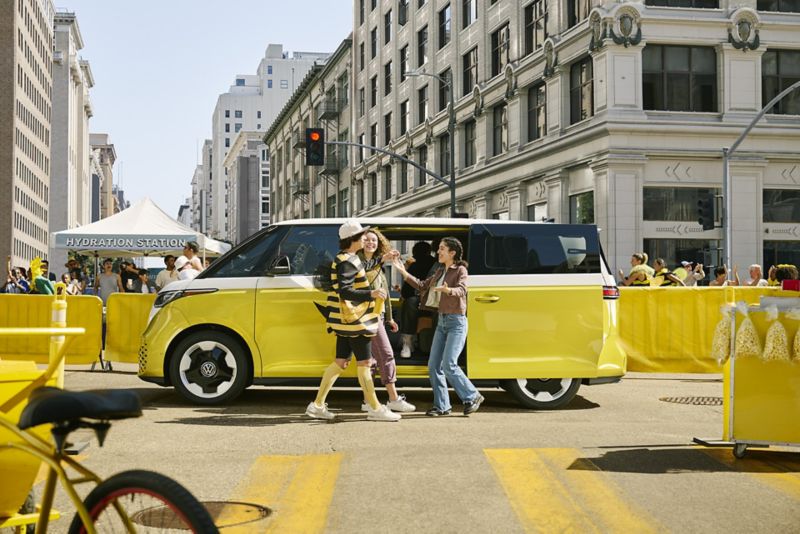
299	139
300	188
331	108
331	166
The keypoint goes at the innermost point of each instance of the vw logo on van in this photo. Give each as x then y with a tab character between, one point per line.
208	369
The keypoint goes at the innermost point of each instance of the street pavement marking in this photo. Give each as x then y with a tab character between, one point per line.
778	470
298	490
44	468
560	490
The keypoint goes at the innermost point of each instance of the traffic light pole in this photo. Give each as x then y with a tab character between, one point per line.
726	177
449	183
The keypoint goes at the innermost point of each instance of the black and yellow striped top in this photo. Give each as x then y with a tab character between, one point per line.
666	281
351	308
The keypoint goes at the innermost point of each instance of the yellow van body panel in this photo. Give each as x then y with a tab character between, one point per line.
534	332
613	359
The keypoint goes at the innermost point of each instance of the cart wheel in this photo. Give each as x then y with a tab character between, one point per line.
739	450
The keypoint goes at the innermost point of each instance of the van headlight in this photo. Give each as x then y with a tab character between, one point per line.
166	297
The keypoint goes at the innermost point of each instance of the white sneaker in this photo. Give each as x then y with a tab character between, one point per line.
382	414
405	352
319	412
364	406
401	405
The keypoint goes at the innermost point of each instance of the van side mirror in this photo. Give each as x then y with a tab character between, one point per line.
280	267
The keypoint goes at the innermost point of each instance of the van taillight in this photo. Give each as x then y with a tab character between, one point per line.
610	292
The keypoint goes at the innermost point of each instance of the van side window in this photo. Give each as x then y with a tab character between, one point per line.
308	246
534	249
249	258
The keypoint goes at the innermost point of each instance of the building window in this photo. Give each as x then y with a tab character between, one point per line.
361	57
387	128
781	206
403	177
265	180
444	155
679	78
374	43
331	209
577	11
361	141
708	4
537	112
387	182
264	206
361	102
444	90
373	137
500	130
344	151
402	12
423	104
535	26
673	203
781	253
421	3
470	70
344	200
237	127
470	13
444	26
581	89
373	189
581	208
239	82
284	84
360	193
318	210
404	124
470	135
403	63
269	84
361	12
674	251
258	114
238	114
269	69
374	5
387	79
227	114
422	46
387	27
499	50
779	70
227	142
537	212
227	127
422	177
344	89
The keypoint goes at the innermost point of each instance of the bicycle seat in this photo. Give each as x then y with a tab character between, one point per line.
53	405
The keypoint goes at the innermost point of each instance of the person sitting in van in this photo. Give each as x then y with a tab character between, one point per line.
352	317
721	274
640	274
446	292
376	245
410	312
667	278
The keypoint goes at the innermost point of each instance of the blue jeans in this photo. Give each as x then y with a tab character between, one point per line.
448	341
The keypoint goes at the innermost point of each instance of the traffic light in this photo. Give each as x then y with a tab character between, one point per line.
705	212
315	147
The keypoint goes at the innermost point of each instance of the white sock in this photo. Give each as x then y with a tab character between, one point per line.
407	340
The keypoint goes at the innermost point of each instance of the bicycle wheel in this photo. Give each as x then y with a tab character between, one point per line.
153	503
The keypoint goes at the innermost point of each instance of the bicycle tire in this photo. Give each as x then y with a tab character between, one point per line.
178	510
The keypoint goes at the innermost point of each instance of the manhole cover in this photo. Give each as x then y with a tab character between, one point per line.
699	401
224	514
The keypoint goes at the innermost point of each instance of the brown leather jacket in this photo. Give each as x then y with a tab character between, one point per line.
456	280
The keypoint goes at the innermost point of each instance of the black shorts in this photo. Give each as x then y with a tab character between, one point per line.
360	346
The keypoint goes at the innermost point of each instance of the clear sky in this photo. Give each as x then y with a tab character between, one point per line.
159	67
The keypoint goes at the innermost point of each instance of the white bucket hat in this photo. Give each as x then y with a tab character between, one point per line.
350	228
180	262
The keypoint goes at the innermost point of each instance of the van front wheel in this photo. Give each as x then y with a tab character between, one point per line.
209	368
542	393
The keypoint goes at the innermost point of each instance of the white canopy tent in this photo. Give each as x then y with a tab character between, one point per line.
143	230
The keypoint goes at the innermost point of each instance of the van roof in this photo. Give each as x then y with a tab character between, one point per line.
399	221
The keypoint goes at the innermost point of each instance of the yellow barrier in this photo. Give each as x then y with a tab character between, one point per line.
126	321
34	311
670	330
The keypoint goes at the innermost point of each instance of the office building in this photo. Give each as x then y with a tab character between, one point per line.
106	157
247	171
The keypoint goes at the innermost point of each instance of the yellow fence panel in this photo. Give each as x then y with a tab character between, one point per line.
126	321
33	311
670	330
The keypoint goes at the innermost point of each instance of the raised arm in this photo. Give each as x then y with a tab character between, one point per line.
345	275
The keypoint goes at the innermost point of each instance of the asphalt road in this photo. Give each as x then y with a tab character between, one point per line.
615	459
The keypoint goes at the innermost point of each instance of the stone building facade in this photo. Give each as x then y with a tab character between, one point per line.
247	171
322	100
26	99
106	157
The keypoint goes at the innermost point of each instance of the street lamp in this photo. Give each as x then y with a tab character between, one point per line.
451	128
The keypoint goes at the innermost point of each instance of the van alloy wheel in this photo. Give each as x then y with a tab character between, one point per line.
542	393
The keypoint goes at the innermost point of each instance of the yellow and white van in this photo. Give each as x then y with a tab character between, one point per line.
542	309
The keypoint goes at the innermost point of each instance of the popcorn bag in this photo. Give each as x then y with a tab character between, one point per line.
794	314
721	347
776	347
747	342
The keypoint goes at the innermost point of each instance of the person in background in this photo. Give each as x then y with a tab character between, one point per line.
169	274
668	279
190	251
107	282
72	289
786	272
144	276
207	263
756	277
721	274
417	266
185	269
693	276
46	271
43	285
130	277
681	272
15	282
640	273
77	274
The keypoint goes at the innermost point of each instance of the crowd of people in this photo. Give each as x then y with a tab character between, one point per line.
128	279
690	274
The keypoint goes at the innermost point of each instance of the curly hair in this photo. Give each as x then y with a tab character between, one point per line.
384	247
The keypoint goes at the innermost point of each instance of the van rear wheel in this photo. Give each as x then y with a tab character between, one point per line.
542	393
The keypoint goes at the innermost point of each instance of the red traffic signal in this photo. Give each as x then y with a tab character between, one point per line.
315	147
